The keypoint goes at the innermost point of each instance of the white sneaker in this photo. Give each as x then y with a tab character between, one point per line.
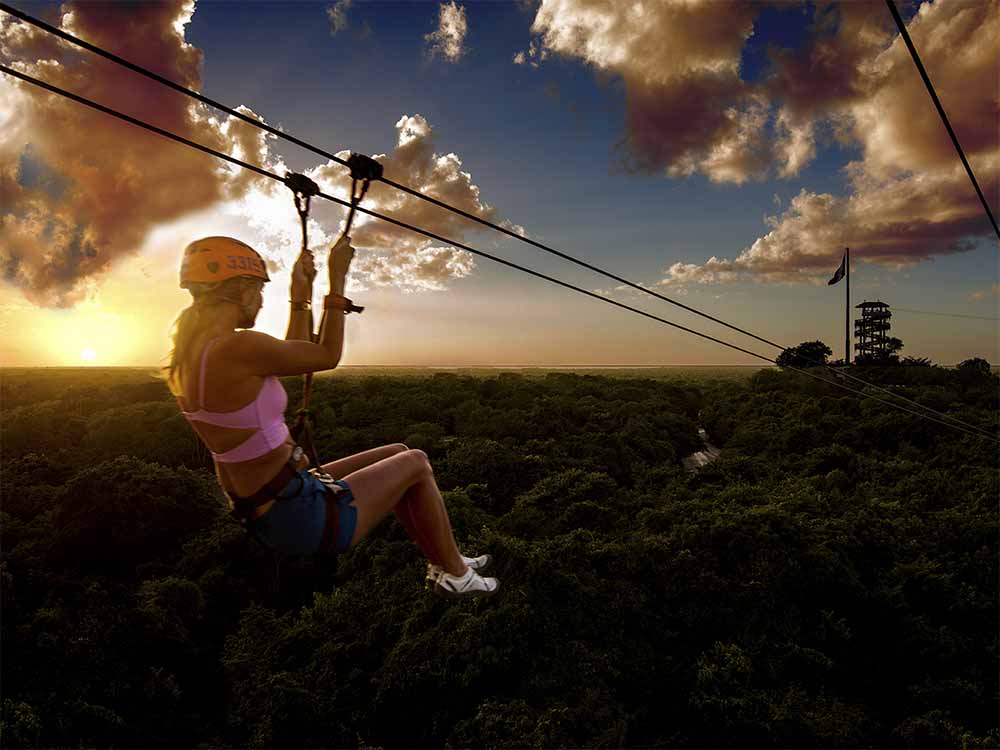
471	584
476	563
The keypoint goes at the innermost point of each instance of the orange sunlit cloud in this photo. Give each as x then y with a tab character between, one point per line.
69	224
689	111
72	218
89	248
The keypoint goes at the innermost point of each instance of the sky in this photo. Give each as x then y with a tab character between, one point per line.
721	153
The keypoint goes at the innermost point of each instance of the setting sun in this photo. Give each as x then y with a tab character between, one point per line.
575	231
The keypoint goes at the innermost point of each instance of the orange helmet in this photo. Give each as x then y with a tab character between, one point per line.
212	259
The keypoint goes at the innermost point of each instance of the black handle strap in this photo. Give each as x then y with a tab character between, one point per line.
303	189
364	169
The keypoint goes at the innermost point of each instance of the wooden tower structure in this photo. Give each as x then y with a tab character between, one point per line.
872	330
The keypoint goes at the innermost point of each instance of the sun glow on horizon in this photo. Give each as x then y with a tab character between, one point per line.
104	336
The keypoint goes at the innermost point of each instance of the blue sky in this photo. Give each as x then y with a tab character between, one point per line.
515	132
544	146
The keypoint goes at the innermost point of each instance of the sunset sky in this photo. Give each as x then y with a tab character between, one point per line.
723	153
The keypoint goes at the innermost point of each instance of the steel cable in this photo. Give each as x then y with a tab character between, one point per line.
943	314
940	109
973	431
404	188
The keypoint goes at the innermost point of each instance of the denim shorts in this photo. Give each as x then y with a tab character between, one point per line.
295	524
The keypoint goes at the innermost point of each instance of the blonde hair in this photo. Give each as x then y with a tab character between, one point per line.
188	324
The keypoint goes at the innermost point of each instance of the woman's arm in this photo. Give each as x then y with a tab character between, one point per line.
300	320
300	323
331	337
260	354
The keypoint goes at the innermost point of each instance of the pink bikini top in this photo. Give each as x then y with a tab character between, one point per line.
266	414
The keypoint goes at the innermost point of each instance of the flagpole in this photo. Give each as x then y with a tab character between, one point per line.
847	312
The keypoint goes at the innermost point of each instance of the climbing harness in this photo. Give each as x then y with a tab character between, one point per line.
244	507
364	169
973	430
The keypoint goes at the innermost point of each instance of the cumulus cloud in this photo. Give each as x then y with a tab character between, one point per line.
65	216
337	13
688	112
535	54
833	67
422	269
910	199
397	255
80	191
795	143
714	271
448	40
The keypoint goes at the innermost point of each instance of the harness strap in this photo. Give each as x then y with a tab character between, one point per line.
364	169
243	507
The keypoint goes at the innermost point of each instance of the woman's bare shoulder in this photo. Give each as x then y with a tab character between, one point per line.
215	352
245	343
260	354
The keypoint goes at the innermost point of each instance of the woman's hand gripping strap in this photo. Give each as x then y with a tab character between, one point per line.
303	189
364	169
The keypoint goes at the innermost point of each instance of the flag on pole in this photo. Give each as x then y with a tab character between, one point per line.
840	271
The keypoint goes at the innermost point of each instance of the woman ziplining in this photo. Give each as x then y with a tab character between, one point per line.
225	379
953	423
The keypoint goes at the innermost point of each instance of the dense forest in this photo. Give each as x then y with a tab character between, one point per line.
830	580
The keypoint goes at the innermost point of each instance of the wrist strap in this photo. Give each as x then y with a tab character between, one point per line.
340	302
301	305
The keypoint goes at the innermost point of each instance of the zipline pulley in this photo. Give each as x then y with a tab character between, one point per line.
364	169
303	189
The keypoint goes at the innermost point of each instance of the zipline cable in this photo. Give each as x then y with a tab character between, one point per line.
943	314
165	81
303	189
404	188
265	173
326	154
504	230
974	431
363	170
944	118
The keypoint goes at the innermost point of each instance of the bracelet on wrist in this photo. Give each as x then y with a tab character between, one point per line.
300	305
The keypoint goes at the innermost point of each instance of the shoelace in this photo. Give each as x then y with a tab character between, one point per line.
433	575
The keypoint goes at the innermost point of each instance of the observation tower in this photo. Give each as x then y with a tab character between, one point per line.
872	331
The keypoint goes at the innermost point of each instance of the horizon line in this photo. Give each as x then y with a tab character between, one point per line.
412	367
442	367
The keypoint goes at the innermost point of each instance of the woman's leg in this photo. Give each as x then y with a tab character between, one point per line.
343	466
382	486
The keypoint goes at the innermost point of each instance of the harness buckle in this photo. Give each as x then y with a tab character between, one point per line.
328	481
